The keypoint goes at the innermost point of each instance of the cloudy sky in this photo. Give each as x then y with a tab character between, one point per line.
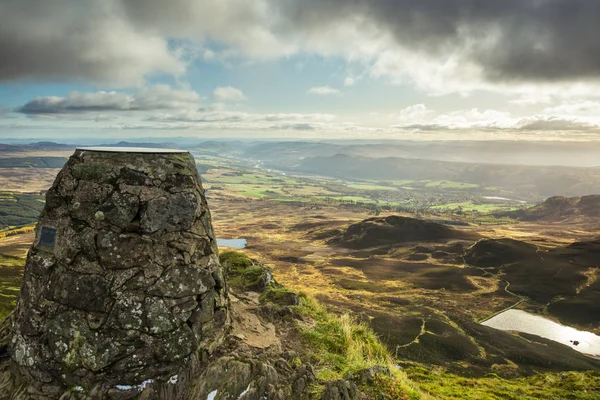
427	69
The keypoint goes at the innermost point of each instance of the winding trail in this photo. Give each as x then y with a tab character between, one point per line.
485	272
415	340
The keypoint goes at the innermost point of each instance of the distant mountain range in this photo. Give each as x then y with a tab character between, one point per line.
39	146
528	181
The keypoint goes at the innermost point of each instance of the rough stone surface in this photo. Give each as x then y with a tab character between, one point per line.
122	289
340	390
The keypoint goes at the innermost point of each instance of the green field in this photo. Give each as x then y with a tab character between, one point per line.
443	196
471	206
552	386
11	274
256	179
33	162
18	209
366	186
449	185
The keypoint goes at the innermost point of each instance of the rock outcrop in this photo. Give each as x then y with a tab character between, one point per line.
123	288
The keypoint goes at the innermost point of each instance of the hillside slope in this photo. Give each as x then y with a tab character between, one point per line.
394	229
528	181
558	208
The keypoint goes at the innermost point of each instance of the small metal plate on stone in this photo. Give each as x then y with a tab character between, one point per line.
47	238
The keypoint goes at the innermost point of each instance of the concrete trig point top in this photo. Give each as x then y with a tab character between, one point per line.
123	285
142	150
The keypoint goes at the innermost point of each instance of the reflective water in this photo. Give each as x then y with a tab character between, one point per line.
235	243
521	321
502	198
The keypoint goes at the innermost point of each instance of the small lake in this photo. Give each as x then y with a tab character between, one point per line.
503	198
234	243
521	321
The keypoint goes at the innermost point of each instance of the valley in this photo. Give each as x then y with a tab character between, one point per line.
422	262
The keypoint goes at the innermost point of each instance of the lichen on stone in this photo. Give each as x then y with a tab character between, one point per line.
127	294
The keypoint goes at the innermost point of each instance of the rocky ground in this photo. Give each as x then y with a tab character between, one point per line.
262	357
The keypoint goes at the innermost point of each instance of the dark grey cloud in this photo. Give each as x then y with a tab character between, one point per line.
88	40
125	41
529	40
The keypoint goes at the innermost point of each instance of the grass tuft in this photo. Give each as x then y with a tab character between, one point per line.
342	346
551	386
243	273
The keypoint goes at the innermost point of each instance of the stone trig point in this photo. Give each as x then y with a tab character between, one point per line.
122	287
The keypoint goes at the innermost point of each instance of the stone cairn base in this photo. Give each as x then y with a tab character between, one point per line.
122	289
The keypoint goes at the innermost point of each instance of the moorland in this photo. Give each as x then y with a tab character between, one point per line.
421	242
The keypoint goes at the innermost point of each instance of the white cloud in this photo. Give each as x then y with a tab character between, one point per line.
532	99
475	120
555	123
413	114
323	90
237	116
349	81
155	97
581	108
228	93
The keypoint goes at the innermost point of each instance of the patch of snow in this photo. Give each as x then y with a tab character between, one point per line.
244	392
145	384
212	395
173	380
140	387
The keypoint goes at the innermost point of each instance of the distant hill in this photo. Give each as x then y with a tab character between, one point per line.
39	146
533	272
33	162
558	208
288	153
528	181
145	145
382	231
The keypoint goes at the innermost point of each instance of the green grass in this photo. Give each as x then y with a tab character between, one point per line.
19	209
341	346
449	185
244	274
557	386
256	179
235	260
403	182
33	162
253	190
292	199
471	206
348	198
11	275
337	345
365	186
17	231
